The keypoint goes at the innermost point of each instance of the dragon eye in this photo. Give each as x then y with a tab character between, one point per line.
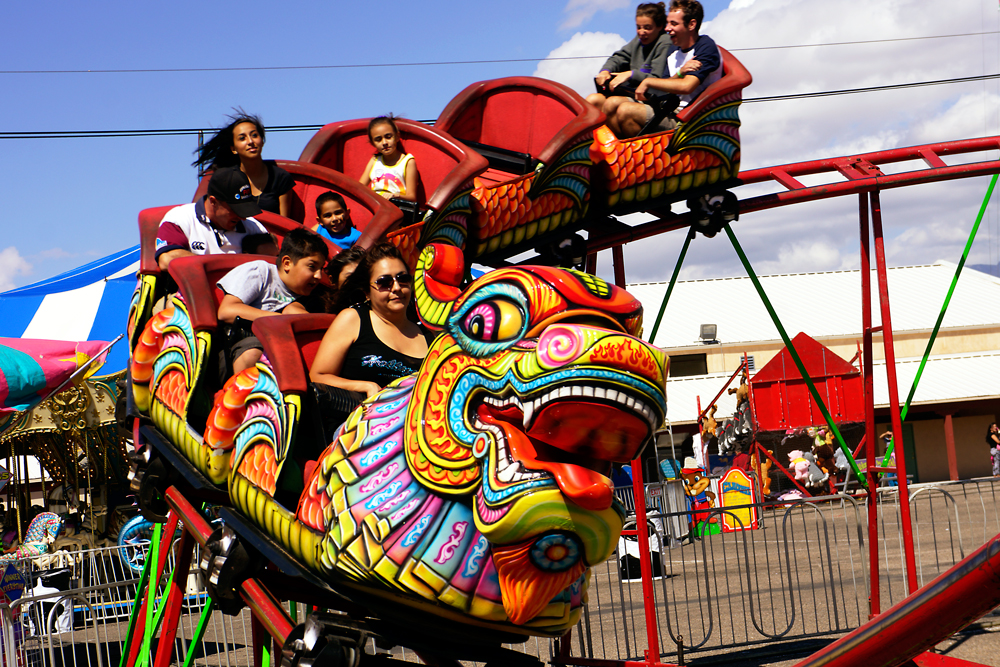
493	320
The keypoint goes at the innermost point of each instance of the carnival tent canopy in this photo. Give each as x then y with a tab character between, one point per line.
85	304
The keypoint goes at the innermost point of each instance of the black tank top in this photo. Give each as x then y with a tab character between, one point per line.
370	360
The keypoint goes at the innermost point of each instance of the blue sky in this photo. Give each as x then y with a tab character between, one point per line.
69	201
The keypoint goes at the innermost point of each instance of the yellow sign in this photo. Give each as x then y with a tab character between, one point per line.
739	493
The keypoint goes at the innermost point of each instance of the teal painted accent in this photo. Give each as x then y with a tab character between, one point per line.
24	377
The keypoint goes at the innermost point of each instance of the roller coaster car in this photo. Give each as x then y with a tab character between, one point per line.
696	162
372	214
475	491
535	134
445	168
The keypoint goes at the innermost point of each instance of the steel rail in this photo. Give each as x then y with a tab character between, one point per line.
862	173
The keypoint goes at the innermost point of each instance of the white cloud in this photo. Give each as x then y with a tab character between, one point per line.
54	253
11	266
579	12
579	74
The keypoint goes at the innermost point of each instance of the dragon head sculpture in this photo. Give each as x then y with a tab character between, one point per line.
482	481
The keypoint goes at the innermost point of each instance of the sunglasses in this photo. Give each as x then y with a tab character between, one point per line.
384	282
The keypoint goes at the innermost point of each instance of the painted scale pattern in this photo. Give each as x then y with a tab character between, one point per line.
166	364
379	519
514	211
450	224
704	151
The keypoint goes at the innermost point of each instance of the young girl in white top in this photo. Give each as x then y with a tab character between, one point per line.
391	172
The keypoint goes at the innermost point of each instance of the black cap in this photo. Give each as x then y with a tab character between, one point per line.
231	186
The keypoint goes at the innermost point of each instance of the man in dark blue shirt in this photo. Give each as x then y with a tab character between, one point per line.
693	63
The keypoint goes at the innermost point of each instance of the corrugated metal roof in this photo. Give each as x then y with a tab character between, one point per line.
946	378
820	304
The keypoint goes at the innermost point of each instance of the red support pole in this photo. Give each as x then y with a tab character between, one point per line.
645	566
175	601
258	637
866	328
592	263
890	371
267	610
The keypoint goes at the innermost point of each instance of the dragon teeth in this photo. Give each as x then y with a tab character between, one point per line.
588	391
529	413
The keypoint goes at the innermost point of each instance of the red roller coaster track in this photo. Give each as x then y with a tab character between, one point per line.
847	175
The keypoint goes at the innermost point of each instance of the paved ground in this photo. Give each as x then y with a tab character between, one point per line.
767	597
794	585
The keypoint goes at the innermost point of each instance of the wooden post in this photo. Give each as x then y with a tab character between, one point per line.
949	445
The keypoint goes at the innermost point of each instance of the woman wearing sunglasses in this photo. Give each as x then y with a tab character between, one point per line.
370	344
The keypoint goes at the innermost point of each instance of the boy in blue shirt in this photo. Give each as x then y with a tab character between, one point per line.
334	220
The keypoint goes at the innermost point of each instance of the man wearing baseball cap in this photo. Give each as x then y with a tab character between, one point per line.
221	222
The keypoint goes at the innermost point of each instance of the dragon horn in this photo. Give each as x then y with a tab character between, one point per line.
436	283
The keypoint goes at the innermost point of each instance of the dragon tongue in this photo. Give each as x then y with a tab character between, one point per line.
526	590
585	487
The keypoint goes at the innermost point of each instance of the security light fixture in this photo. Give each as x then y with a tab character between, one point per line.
708	333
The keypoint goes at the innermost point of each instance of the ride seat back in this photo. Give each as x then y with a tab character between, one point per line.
521	114
369	212
290	343
149	225
312	180
196	279
443	164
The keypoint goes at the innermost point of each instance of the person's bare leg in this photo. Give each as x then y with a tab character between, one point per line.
246	360
596	99
610	107
630	118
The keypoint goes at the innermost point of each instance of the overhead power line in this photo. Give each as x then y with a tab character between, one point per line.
870	89
79	134
440	63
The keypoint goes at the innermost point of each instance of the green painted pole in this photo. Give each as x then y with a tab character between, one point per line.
944	309
133	616
199	632
154	582
673	280
795	356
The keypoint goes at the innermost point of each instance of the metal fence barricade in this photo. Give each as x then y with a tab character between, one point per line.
87	623
802	574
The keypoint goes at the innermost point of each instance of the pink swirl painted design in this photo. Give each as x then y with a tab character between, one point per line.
559	345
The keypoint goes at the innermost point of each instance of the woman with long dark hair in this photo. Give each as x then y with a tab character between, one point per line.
239	144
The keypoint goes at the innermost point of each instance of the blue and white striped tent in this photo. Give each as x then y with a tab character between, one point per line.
87	303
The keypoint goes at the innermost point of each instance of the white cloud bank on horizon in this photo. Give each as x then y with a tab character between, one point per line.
922	223
11	266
